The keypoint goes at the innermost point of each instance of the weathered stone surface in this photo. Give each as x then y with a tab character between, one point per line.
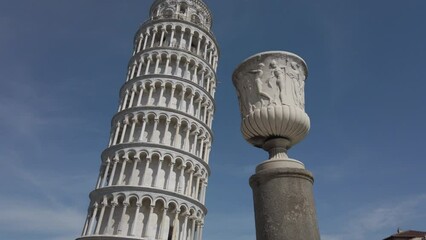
284	205
270	88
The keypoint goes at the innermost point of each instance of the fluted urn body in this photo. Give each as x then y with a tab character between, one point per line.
270	88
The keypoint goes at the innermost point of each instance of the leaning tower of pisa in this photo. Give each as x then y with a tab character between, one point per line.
154	172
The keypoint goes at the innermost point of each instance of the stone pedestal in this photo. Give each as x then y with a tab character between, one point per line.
284	204
271	92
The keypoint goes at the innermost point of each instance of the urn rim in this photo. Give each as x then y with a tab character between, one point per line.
282	52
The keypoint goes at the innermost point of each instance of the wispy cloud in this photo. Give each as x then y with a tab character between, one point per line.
368	221
29	216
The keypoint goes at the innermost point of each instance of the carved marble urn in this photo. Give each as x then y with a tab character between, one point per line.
270	88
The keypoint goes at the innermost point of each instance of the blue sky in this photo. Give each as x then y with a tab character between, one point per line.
63	62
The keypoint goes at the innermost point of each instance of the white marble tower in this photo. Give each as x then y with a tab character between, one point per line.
154	172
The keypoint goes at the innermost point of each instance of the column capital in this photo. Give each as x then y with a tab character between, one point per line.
104	203
135	88
126	158
196	132
135	119
126	120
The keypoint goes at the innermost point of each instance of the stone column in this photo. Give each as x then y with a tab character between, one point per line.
189	186
148	161
111	215
171	96
142	88
126	123
153	37
185	226
122	171
151	91
148	65
191	35
136	161
199	45
160	101
132	130
194	146
175	226
166	68
163	223
166	130
282	188
101	217
144	122
92	219
104	179
181	180
171	166
135	221
140	67
140	43
172	36
157	63
284	204
114	168
200	233
117	131
163	31
146	39
148	222
123	215
175	142
132	97
154	129
197	185
132	75
160	164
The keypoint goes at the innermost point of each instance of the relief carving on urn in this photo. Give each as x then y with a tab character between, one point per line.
274	81
270	88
